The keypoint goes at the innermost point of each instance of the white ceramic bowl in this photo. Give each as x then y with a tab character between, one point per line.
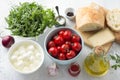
51	34
27	54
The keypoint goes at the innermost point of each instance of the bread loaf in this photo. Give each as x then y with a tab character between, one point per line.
90	18
113	19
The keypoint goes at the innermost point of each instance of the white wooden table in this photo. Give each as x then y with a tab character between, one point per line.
7	73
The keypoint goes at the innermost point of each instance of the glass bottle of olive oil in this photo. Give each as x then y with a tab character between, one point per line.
96	63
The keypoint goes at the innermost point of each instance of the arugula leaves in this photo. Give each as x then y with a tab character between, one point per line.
30	19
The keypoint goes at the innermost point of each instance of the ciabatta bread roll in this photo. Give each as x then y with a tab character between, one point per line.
113	19
90	18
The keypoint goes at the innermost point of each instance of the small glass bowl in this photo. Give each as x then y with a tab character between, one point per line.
70	13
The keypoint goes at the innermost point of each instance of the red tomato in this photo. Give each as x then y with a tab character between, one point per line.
76	46
67	35
58	40
61	56
53	51
70	54
61	33
51	44
68	43
65	48
75	38
59	49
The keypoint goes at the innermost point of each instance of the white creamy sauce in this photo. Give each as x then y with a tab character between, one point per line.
61	21
26	57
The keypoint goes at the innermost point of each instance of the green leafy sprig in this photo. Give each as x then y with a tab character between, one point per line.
115	58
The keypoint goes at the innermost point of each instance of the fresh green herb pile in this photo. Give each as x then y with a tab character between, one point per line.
30	19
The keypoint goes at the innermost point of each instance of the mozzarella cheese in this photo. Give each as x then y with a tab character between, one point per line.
26	57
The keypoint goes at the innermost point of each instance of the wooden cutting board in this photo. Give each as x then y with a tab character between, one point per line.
86	35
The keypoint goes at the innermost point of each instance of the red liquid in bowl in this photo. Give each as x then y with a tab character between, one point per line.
74	69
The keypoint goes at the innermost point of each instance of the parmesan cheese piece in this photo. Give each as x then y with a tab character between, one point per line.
102	37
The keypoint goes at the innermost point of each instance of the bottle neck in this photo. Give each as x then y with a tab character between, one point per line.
99	51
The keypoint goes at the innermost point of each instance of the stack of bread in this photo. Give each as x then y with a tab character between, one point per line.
91	20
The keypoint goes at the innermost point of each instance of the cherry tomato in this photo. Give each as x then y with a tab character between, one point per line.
75	38
61	33
59	49
76	46
58	40
67	35
68	43
51	44
53	51
64	45
65	48
70	54
61	56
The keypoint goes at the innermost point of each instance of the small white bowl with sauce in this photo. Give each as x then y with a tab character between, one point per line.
61	21
70	13
26	56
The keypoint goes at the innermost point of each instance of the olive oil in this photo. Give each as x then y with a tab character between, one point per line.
96	64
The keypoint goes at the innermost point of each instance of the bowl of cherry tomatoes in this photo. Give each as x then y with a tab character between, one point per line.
63	45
